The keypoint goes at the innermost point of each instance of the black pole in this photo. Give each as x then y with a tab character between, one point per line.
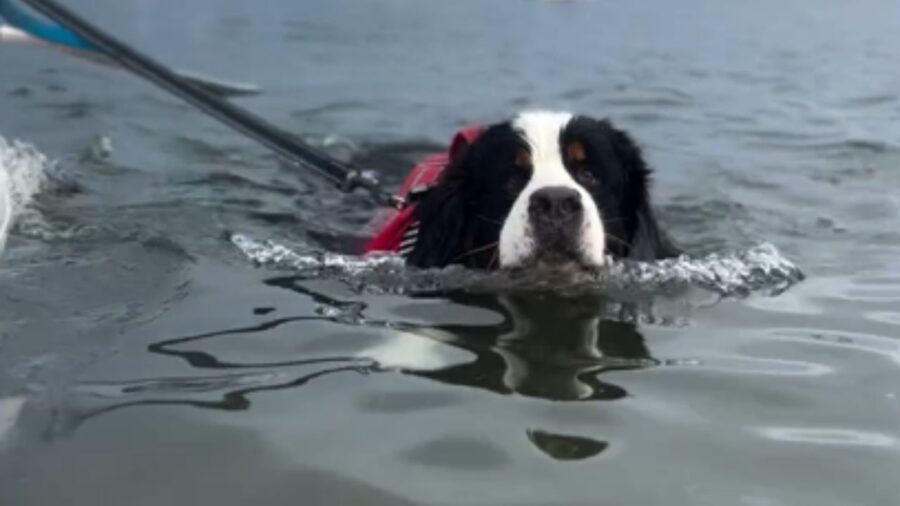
346	178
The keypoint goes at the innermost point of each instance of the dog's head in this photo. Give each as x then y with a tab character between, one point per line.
544	188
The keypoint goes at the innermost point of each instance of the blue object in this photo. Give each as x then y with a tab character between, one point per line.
44	30
60	37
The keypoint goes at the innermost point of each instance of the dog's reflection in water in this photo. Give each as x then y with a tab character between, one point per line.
539	345
547	346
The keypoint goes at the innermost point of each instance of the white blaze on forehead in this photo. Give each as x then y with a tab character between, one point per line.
542	130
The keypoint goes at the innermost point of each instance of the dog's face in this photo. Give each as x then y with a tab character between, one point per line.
555	218
543	189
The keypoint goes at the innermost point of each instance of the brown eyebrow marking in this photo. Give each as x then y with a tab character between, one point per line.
575	152
523	159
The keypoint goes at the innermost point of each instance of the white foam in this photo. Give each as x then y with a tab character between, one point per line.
274	254
5	207
10	409
761	269
22	175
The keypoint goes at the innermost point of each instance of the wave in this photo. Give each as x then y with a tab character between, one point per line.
23	173
761	269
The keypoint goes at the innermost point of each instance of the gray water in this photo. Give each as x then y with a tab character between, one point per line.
174	331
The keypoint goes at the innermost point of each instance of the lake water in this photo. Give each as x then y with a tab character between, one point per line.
173	331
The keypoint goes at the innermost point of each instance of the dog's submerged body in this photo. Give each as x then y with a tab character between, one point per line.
543	189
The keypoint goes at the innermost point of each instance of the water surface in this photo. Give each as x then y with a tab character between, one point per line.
146	358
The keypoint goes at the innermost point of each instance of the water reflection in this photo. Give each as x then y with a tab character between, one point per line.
565	447
548	346
543	345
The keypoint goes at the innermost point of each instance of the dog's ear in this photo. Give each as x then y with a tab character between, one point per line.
442	216
647	241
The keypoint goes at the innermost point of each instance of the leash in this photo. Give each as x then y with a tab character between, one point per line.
76	33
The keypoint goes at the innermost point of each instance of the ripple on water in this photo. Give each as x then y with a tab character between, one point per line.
760	269
734	364
887	347
830	437
889	317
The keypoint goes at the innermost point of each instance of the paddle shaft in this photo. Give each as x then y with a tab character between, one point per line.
283	143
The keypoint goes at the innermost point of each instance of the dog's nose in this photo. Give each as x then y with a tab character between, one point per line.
555	204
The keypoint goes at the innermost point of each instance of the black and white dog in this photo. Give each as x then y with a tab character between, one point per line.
546	188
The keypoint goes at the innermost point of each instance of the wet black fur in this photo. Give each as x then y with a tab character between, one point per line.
461	217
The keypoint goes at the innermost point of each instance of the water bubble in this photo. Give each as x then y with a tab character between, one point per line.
760	269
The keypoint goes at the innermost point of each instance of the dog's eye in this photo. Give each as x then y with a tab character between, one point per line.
523	159
584	176
515	185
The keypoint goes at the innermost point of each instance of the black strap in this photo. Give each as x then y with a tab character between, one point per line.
345	177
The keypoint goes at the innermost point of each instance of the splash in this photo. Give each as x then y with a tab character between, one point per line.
761	269
311	262
22	175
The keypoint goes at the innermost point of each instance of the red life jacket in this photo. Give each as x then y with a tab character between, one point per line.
398	228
